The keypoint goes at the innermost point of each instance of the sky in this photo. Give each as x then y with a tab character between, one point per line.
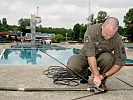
62	13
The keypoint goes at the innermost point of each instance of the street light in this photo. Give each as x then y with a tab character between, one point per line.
66	37
21	39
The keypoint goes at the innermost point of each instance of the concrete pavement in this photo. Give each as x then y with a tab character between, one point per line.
32	77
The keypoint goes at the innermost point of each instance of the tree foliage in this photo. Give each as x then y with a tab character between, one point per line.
23	23
58	38
101	16
76	31
4	21
122	31
3	25
128	20
62	31
82	31
3	29
0	23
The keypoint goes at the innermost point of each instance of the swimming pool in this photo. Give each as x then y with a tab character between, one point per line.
36	55
129	61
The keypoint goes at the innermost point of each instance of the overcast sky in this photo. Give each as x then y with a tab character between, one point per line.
62	13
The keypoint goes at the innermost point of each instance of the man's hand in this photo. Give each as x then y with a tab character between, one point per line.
97	80
93	65
101	77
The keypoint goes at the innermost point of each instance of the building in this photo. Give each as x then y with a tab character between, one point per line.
39	36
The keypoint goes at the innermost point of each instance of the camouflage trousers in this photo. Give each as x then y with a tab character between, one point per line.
79	63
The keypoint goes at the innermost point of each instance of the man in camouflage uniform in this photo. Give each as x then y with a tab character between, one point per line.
102	48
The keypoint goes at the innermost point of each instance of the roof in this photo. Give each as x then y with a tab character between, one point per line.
41	35
15	33
4	33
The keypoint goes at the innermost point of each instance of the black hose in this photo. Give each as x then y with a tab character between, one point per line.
61	76
124	82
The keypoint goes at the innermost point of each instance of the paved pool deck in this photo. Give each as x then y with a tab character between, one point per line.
31	76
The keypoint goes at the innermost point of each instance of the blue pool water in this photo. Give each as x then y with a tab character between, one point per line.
35	55
129	61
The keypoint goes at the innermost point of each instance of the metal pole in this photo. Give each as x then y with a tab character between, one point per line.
37	10
66	37
89	16
89	8
43	89
21	39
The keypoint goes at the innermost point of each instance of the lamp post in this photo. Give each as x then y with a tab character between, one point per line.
66	37
37	10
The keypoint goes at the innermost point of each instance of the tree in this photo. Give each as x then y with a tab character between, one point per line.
58	38
93	21
76	32
82	31
121	30
101	16
3	29
4	21
128	20
23	23
4	26
0	23
62	31
13	28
